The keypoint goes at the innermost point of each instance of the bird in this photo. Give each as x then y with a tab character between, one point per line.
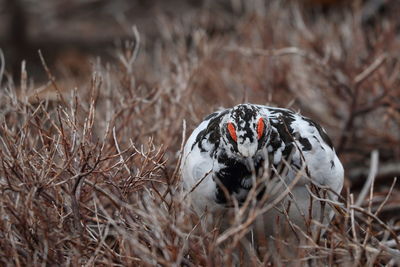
263	155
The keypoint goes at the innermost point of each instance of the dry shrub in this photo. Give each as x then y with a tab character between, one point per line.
89	174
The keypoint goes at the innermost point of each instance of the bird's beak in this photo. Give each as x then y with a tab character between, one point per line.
247	150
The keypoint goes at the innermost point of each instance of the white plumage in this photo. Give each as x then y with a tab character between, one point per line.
234	148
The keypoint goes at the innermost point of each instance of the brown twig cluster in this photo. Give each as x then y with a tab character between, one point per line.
89	172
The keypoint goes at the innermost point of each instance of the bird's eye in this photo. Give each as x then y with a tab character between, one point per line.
232	131
260	128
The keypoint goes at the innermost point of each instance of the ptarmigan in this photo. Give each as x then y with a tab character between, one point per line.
282	152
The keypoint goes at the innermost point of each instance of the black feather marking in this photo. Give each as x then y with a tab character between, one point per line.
232	176
212	132
305	143
288	150
282	132
198	139
247	114
275	141
212	115
321	132
287	114
316	139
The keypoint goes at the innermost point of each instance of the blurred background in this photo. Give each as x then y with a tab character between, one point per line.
70	32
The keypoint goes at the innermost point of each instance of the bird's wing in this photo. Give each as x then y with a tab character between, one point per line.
303	140
198	163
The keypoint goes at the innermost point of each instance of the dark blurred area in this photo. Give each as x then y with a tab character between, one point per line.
70	31
65	31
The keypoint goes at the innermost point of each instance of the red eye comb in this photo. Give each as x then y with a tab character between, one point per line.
260	128
232	131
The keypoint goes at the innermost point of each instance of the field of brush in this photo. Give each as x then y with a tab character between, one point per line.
91	132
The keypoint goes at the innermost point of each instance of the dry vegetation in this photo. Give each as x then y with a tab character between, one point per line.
88	167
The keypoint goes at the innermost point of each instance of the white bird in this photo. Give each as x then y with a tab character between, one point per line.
236	149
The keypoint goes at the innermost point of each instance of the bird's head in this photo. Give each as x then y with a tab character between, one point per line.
245	130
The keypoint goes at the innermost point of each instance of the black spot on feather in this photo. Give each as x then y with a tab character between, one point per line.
321	132
305	143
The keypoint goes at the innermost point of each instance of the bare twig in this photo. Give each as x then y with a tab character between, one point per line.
371	177
370	69
51	78
2	65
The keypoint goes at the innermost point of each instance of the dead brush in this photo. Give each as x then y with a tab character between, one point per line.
91	177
